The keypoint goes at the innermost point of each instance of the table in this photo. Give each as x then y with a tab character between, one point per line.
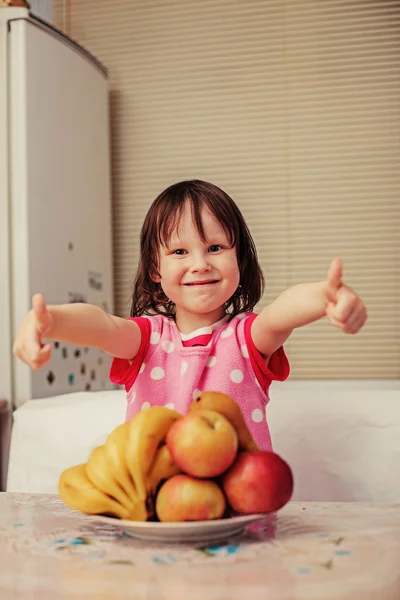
321	551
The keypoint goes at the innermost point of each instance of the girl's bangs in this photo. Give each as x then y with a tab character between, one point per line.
167	221
170	214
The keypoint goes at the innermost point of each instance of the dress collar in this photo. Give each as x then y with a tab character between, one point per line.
203	330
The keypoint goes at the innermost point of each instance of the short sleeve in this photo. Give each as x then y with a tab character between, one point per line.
277	368
123	371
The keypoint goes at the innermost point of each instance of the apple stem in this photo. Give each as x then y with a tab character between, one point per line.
211	425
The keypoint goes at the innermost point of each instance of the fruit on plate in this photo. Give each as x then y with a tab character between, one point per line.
186	498
121	477
102	476
147	433
114	452
78	492
163	467
258	482
160	464
227	407
203	443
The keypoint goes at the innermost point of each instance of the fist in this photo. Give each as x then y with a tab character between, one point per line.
28	345
344	308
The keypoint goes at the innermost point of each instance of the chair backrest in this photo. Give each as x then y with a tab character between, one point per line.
342	442
52	434
5	434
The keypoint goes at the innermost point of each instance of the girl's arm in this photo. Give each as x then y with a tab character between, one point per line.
80	324
307	302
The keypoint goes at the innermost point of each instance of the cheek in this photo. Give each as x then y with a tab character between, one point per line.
235	279
171	272
232	270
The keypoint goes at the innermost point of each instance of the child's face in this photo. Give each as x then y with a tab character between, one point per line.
199	277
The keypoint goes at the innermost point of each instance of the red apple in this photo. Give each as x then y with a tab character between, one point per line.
185	498
203	443
258	482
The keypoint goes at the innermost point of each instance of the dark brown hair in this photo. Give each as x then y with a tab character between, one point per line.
162	218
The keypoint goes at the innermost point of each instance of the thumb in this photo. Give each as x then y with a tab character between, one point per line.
41	313
334	279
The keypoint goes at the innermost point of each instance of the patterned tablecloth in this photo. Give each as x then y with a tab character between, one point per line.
310	551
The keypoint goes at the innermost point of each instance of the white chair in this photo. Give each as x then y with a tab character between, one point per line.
342	441
52	434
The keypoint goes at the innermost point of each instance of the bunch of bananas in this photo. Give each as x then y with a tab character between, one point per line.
121	478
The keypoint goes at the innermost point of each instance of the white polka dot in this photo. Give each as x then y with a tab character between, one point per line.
184	367
241	315
168	346
258	383
257	415
170	405
211	361
236	376
157	373
227	332
131	397
196	393
145	405
244	350
142	367
155	337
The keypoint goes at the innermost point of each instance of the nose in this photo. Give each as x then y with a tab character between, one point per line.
200	263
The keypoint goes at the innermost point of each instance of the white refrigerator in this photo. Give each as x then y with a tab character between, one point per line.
55	199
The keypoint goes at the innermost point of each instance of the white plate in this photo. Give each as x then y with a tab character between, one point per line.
187	532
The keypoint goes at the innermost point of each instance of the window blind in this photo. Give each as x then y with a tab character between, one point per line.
294	109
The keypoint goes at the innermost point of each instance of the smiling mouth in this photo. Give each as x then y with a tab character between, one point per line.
196	283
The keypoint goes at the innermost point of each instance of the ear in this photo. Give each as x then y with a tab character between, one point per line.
155	277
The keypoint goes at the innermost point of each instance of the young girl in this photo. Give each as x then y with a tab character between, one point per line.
192	327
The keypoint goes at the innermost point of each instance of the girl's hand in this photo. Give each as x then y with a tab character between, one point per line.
28	345
344	309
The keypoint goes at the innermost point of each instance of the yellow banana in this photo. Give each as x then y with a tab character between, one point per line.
163	467
115	451
147	431
77	491
102	477
226	406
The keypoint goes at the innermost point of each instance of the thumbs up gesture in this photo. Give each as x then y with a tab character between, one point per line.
28	344
344	308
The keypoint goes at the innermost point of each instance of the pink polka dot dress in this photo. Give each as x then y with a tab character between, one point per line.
171	368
